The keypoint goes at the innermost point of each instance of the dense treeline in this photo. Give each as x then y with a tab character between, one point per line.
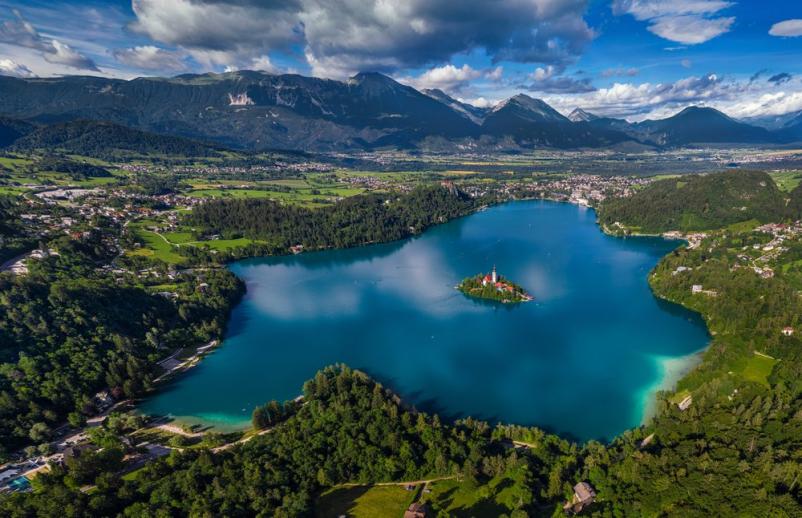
353	221
350	429
69	329
698	202
107	140
76	170
13	239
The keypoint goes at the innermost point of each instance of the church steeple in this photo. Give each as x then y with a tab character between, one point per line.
494	277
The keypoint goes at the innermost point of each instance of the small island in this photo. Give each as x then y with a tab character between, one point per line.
493	287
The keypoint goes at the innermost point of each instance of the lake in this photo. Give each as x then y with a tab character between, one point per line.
584	359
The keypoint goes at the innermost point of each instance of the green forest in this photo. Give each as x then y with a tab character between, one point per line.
70	328
371	218
697	202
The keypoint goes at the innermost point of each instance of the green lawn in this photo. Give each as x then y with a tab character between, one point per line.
787	180
156	247
758	368
225	244
364	502
179	238
471	499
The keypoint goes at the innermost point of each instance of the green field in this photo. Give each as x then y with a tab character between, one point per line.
758	368
787	180
364	502
156	247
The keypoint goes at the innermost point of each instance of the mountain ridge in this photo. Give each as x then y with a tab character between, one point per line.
253	110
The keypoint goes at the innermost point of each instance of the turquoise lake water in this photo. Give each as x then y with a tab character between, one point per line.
582	360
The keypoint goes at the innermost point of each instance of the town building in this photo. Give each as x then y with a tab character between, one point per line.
788	331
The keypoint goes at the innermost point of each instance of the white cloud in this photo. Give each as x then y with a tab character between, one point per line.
480	102
737	98
19	32
447	78
548	79
787	28
495	74
690	29
9	67
149	57
541	74
684	21
219	32
264	64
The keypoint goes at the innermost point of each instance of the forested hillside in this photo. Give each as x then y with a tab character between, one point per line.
108	140
350	429
69	329
697	202
353	221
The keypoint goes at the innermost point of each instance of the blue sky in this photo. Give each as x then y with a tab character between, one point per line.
627	58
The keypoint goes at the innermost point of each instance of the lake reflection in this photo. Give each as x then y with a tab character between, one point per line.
579	360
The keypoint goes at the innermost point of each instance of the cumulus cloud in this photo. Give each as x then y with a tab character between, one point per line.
684	21
220	32
787	28
620	72
346	35
9	67
452	79
19	32
780	78
549	80
340	37
149	57
480	102
636	101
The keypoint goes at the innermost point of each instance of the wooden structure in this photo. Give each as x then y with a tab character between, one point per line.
584	495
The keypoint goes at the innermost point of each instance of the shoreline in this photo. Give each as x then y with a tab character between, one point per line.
672	369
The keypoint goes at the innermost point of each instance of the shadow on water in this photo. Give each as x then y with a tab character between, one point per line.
676	310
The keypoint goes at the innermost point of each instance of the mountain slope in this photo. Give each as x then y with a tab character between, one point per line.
93	138
695	125
13	129
472	113
580	115
533	122
243	109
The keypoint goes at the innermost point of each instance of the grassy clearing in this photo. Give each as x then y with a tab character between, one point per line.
225	244
744	226
679	396
156	247
364	502
787	180
758	368
470	499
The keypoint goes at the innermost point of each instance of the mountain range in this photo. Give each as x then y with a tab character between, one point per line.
255	110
